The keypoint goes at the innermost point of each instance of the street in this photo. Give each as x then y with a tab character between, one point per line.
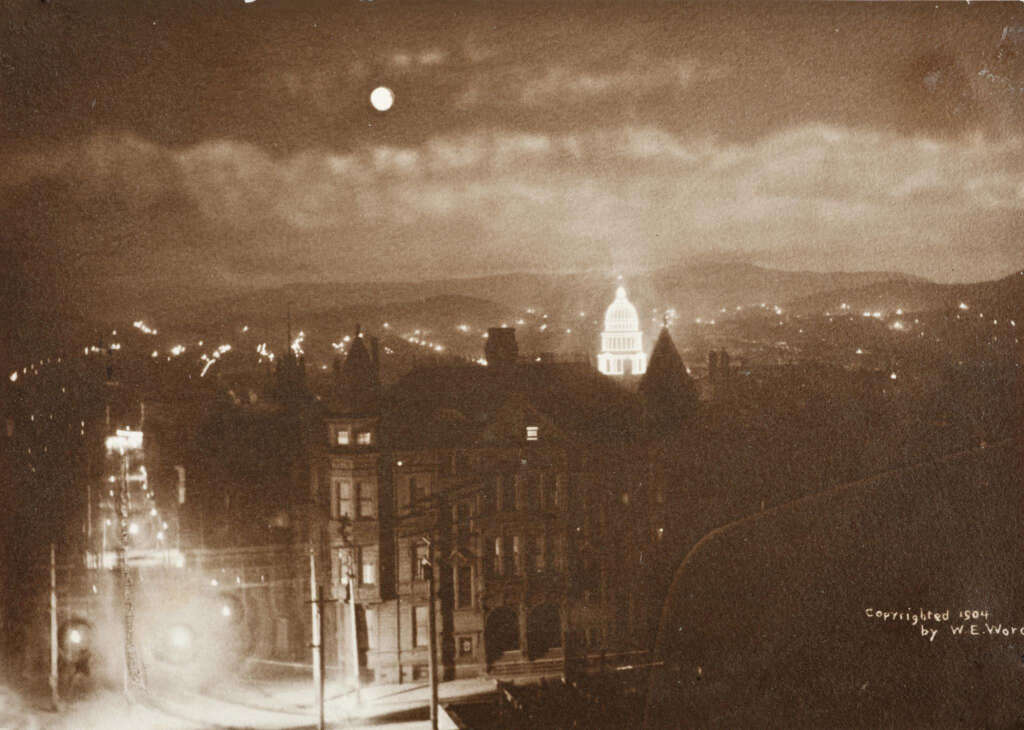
282	704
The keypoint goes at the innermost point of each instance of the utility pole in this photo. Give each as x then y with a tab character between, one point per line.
350	581
318	640
428	567
54	659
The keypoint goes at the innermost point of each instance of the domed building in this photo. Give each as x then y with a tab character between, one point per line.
622	342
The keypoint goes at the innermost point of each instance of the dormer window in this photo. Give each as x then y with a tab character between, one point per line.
364	438
532	433
343	437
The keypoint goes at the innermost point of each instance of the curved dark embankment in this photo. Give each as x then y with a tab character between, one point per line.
767	625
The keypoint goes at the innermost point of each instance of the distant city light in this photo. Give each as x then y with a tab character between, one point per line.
263	352
892	376
142	327
964	306
14	376
133	529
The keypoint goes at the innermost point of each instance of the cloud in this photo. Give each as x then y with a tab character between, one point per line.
636	195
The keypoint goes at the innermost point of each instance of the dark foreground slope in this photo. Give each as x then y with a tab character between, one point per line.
767	622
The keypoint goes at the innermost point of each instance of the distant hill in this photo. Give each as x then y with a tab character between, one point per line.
691	287
1000	297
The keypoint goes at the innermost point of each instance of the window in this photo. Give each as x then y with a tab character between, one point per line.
533	493
371	628
496	561
364	438
531	433
368	566
508	492
417	489
342	436
421	626
464	586
420	554
465	646
517	563
535	553
560	491
560	561
367	500
343	489
487	500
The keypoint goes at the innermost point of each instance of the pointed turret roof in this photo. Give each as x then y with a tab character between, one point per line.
357	379
667	390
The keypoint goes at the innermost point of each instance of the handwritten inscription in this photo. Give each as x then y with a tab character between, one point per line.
965	622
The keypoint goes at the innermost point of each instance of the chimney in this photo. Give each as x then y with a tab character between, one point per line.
501	349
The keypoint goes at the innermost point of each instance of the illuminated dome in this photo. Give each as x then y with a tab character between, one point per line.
622	343
621	315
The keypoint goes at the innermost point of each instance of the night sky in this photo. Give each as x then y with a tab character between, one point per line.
204	146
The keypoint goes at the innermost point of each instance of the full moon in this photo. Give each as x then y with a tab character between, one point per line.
382	98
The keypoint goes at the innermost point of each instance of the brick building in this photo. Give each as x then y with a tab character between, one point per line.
524	483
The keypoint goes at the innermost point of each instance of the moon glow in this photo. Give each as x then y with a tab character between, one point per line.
382	98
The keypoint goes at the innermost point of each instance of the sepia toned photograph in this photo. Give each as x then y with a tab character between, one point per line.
511	365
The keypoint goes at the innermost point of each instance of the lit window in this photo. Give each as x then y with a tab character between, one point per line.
368	571
342	437
364	438
421	626
531	433
497	564
421	553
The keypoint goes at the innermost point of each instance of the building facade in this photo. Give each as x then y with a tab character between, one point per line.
521	484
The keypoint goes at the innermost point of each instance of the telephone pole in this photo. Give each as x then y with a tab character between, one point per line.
318	640
428	567
54	659
348	577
